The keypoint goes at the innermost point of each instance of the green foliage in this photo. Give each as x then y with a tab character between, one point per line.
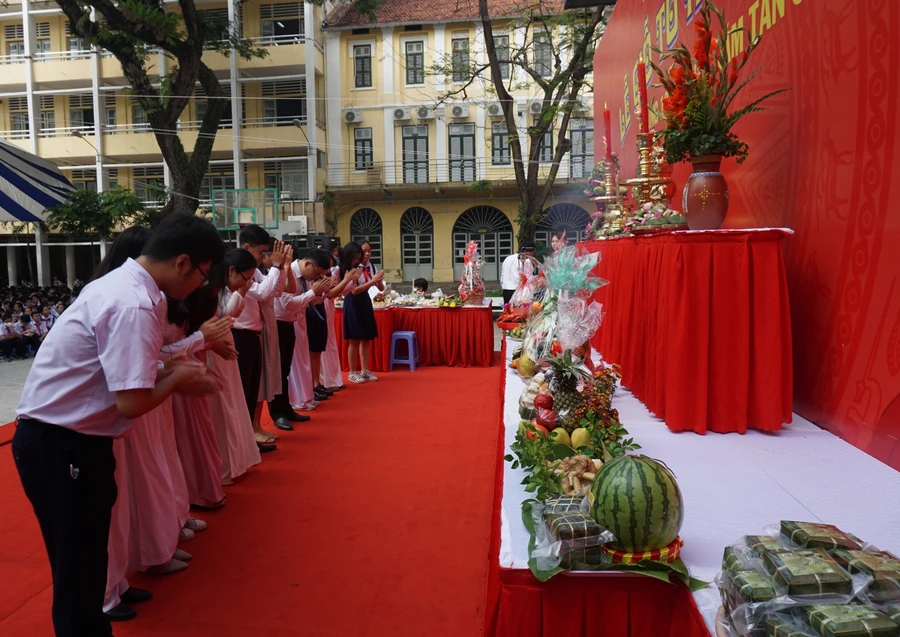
482	185
89	213
532	455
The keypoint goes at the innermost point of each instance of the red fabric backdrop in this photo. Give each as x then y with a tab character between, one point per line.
822	161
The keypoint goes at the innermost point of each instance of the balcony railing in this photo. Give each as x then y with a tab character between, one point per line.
279	120
433	172
79	54
12	59
14	134
279	40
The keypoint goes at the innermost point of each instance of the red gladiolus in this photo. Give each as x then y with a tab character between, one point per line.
700	52
676	74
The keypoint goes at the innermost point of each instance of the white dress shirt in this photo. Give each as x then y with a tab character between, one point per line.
107	341
262	289
510	275
288	307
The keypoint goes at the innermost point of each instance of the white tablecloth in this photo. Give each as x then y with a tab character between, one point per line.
735	485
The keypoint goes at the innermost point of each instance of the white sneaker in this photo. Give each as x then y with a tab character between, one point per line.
307	406
174	566
359	379
370	377
195	525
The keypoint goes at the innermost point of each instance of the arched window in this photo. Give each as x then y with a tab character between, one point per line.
493	232
365	225
417	239
563	216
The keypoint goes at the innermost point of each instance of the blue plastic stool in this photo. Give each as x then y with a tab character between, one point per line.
412	348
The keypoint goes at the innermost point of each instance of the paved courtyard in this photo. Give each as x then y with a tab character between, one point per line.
12	379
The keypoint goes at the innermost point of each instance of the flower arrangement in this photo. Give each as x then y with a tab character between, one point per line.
701	86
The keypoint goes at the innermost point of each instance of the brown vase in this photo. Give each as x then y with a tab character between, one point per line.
706	194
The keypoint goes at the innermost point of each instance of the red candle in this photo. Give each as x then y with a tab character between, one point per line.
642	91
607	124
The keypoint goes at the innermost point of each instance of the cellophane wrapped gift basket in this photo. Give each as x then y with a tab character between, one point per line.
471	285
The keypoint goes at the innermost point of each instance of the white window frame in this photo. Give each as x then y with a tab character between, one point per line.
416	36
459	35
352	49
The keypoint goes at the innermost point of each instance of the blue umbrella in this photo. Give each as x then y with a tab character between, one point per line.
29	185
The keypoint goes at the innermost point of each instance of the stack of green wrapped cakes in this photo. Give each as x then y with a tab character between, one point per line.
811	580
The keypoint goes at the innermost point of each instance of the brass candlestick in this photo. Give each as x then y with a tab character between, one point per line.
608	202
650	186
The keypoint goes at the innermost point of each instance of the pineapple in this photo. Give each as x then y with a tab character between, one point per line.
567	373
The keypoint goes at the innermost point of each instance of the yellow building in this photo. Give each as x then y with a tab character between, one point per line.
341	117
401	165
70	104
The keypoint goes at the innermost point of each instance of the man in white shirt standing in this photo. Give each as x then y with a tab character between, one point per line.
514	266
97	370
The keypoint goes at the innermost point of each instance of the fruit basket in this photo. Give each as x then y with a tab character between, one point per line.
509	325
450	302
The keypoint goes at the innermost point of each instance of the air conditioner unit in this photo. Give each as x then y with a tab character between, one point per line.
535	107
423	112
352	116
495	109
401	114
459	111
578	105
302	221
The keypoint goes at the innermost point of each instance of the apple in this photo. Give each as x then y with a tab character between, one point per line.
543	401
531	435
546	417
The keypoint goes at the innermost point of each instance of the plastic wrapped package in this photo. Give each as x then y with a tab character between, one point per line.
808	573
579	318
883	567
471	285
565	538
786	625
850	620
537	341
815	535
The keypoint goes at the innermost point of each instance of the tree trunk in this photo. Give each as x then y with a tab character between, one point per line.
531	216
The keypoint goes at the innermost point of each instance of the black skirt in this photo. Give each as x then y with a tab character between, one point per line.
359	318
316	328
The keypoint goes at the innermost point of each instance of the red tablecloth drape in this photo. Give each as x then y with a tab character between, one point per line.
700	323
461	337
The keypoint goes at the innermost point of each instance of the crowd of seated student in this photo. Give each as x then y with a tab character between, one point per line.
27	314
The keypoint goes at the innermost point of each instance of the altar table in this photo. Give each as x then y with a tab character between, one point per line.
700	324
454	337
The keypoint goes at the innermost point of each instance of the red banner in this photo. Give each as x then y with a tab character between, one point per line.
822	161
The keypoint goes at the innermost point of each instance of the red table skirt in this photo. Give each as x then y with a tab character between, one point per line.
462	337
700	324
606	606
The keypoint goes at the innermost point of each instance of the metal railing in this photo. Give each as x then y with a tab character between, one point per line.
432	171
279	40
280	120
12	59
79	54
15	134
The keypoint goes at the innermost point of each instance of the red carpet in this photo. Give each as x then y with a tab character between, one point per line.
372	520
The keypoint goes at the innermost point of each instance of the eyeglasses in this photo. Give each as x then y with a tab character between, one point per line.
205	280
243	276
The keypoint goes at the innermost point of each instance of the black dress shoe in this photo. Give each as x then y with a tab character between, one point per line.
322	390
265	448
136	596
284	424
121	613
319	396
293	416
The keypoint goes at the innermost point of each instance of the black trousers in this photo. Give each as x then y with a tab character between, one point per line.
280	405
11	346
507	295
70	480
249	349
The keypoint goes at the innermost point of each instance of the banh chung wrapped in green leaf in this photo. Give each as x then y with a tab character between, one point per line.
850	620
760	544
808	572
730	560
563	504
572	525
751	587
591	556
882	566
786	627
814	535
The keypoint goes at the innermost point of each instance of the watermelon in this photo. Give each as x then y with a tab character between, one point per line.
638	500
